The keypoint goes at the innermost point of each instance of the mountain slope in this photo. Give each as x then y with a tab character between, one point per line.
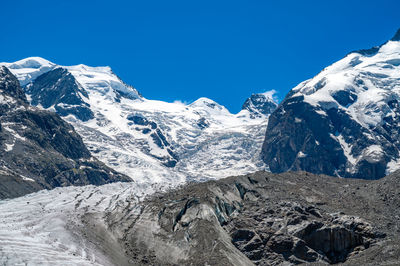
39	149
260	218
344	121
150	141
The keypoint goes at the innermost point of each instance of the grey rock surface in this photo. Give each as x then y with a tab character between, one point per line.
39	149
59	89
262	219
259	105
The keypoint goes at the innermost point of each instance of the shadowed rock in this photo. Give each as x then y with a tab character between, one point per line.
39	149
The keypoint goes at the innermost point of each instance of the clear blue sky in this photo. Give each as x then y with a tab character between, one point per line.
183	50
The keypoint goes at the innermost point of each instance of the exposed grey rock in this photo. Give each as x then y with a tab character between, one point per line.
396	37
262	219
39	149
60	89
147	126
259	105
10	86
333	125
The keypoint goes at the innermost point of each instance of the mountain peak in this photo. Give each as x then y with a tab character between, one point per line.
31	62
203	101
396	37
260	104
28	69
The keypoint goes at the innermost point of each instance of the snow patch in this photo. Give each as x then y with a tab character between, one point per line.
27	179
347	149
301	154
373	153
9	147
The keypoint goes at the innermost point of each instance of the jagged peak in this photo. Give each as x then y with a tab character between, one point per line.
374	50
268	95
396	37
261	104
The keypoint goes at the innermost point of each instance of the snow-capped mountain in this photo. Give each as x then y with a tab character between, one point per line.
344	121
39	150
260	104
150	141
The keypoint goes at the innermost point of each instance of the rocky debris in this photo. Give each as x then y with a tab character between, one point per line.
39	149
263	219
202	123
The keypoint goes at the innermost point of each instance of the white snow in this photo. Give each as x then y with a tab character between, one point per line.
43	228
27	178
9	147
347	149
301	154
343	75
13	132
270	95
30	68
229	144
392	166
373	153
374	79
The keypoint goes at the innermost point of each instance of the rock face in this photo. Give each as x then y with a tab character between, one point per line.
260	105
59	89
262	219
342	122
40	150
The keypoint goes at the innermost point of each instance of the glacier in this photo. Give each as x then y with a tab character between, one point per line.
153	141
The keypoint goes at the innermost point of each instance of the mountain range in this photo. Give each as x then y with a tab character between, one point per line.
94	173
150	141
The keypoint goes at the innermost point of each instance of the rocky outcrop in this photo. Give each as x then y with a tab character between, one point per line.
158	137
9	86
262	219
259	105
39	149
59	89
342	121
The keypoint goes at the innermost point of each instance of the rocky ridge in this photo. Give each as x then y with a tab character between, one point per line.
342	122
260	104
40	150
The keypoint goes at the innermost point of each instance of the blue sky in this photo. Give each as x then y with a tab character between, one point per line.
183	50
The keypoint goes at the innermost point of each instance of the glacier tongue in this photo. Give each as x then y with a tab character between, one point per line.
49	227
